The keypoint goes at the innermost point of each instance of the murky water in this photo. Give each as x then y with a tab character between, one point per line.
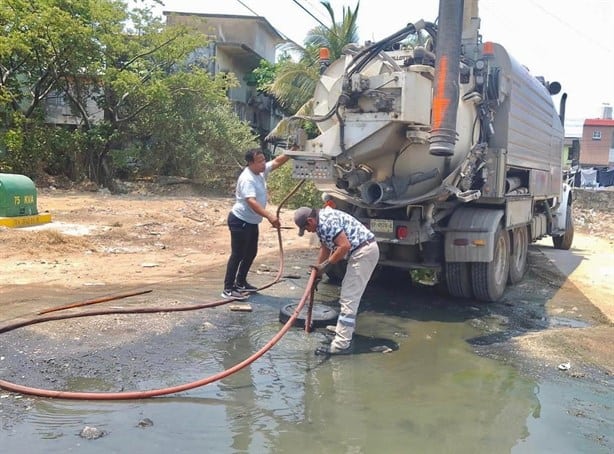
433	394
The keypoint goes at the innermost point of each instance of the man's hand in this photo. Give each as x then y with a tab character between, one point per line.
321	267
275	222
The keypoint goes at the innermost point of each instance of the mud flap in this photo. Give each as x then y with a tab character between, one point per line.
470	235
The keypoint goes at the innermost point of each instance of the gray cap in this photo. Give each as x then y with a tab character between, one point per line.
300	218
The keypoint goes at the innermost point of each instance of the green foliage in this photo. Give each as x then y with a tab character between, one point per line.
280	183
335	37
264	74
424	276
195	120
160	113
32	146
294	82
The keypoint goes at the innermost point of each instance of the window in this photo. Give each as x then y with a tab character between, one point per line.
596	135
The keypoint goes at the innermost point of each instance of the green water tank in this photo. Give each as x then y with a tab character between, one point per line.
17	195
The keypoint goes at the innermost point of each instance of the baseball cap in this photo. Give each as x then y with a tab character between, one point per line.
300	218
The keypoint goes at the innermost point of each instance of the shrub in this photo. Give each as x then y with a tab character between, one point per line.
280	183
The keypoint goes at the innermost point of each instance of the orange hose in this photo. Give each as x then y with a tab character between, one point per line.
103	299
309	310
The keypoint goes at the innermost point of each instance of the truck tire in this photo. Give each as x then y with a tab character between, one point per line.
489	278
458	279
564	241
518	258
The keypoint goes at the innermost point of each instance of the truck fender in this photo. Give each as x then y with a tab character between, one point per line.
561	211
470	234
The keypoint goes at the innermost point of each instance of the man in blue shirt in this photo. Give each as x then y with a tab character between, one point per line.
342	237
247	212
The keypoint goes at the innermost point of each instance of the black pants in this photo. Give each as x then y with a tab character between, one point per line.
243	250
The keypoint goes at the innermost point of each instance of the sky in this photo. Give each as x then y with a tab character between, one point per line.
569	41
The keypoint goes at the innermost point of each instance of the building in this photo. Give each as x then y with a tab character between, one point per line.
238	43
58	110
597	143
571	145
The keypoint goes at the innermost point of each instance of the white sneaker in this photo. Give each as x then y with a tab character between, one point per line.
234	295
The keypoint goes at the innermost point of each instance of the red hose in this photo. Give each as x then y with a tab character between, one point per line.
103	299
174	389
309	310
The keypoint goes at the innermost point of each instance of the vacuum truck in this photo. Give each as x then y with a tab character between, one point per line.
447	148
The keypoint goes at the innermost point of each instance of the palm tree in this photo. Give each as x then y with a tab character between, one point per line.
295	82
336	37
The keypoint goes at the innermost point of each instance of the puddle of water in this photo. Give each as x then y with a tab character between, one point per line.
432	395
567	323
573	417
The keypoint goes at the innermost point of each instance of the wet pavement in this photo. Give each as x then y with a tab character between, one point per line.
442	390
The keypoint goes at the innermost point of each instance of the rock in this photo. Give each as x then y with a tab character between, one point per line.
91	433
145	422
381	349
240	307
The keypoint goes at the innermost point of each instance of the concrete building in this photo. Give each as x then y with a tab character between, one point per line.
597	145
58	110
238	43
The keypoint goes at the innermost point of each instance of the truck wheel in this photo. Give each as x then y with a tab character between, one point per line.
458	279
489	278
564	241
518	258
336	271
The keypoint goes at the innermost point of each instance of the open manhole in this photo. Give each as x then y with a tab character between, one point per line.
321	315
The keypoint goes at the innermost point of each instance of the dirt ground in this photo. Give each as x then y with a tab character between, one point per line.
153	234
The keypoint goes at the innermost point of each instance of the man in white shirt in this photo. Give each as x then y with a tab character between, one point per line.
247	212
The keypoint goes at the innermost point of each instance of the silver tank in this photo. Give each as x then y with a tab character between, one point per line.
375	126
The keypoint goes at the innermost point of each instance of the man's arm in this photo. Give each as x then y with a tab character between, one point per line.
342	249
324	254
254	205
279	161
326	258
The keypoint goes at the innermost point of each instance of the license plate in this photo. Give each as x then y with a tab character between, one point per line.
381	225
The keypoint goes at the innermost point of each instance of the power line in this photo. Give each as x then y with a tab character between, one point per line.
248	8
316	8
309	12
298	4
571	27
258	15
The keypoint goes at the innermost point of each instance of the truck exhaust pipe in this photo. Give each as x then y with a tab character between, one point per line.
373	192
447	68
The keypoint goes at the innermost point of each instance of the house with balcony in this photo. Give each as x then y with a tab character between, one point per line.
238	43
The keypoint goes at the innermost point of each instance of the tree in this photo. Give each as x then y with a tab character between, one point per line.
136	75
190	130
295	82
335	38
42	43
